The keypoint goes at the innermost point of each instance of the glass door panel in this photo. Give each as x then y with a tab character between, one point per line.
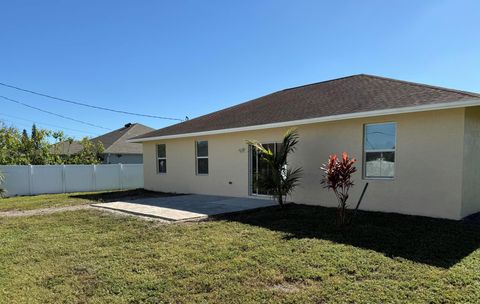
259	167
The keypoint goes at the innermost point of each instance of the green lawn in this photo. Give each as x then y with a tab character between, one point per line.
261	256
22	203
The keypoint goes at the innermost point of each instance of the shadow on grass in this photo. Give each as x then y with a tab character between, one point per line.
436	242
111	196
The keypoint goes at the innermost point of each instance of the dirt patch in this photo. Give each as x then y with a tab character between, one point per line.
46	211
43	211
286	287
122	195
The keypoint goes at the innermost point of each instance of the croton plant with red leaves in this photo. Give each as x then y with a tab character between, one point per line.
337	175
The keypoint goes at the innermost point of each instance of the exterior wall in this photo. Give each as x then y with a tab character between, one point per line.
471	162
428	176
123	159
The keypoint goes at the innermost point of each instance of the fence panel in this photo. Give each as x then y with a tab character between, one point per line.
46	179
26	180
17	179
108	178
132	176
79	178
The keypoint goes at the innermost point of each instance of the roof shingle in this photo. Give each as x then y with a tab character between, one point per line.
352	94
114	142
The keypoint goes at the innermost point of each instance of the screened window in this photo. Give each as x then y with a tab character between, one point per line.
201	148
379	150
162	158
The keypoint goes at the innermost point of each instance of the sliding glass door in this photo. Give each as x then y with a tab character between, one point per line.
258	167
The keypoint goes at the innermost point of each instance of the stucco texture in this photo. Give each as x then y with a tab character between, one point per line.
471	162
429	169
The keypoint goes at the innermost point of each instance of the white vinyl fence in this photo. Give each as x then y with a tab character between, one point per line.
28	180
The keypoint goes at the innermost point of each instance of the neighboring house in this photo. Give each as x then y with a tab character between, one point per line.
418	146
116	148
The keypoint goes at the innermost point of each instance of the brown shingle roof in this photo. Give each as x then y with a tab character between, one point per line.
114	142
352	94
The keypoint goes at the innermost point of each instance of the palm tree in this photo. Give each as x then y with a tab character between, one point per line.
280	180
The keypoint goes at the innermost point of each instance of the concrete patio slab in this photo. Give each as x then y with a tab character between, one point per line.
185	207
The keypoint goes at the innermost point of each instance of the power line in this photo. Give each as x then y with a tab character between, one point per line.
47	124
52	113
88	105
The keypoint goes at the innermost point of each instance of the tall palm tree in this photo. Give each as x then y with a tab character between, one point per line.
281	180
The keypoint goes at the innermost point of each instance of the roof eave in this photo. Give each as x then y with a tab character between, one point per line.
123	153
421	108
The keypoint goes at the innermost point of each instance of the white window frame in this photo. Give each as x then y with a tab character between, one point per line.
365	151
201	157
161	158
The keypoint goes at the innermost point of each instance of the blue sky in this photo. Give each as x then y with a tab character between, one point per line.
188	58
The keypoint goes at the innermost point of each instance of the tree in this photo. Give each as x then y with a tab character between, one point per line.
40	147
25	142
56	156
281	180
36	137
338	177
18	148
70	141
89	154
11	151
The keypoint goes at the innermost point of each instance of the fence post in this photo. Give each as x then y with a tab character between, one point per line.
120	175
94	178
30	179
64	182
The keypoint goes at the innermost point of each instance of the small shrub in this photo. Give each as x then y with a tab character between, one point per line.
338	177
281	180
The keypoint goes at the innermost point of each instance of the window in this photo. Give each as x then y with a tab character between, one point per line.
162	158
201	150
379	150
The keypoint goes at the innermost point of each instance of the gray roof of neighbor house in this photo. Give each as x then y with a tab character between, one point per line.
347	95
114	142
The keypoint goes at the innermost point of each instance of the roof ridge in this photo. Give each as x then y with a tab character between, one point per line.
472	94
214	112
130	128
127	134
102	135
432	95
318	82
252	100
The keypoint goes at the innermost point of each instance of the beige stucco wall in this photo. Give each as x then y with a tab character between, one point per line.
471	164
429	164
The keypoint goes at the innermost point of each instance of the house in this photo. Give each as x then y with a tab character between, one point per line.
418	146
116	148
